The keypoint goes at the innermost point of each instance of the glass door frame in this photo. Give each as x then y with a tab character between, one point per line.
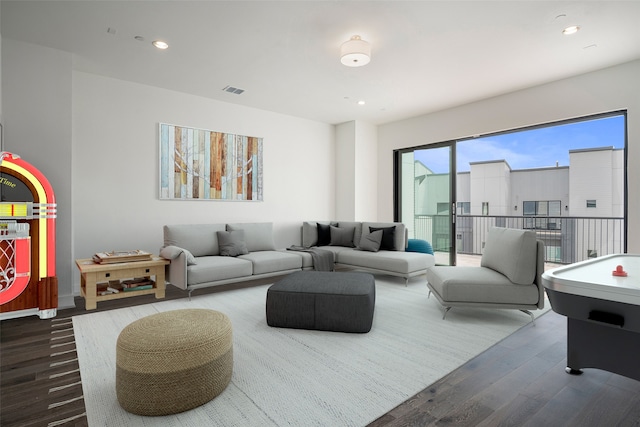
397	188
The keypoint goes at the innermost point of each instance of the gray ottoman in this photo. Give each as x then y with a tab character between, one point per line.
324	301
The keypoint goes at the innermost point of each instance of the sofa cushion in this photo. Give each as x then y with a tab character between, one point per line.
272	261
357	226
394	261
511	252
342	236
400	238
232	243
258	236
371	241
172	252
310	232
324	234
478	284
336	250
199	239
214	268
388	237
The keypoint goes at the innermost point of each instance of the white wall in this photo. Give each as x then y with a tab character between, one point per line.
611	89
36	92
115	146
96	139
345	191
356	171
366	167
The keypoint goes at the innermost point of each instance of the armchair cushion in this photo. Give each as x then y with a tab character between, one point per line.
480	285
511	252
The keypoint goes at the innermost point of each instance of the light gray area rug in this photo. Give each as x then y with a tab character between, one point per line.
290	377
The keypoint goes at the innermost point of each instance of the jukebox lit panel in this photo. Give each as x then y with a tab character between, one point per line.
15	259
28	279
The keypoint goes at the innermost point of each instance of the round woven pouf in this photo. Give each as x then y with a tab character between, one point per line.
173	361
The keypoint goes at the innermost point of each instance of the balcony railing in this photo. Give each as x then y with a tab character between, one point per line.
567	239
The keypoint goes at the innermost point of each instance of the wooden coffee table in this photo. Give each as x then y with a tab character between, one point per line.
92	273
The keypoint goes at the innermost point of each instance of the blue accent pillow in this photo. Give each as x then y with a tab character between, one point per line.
418	245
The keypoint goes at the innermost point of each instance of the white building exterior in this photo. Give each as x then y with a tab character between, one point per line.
559	202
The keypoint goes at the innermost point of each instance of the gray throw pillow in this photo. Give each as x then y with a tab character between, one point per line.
232	243
371	242
388	237
309	234
258	236
342	236
173	252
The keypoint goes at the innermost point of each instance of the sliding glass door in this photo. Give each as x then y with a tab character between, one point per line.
564	180
425	196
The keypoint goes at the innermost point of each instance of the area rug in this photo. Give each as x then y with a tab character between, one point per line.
290	377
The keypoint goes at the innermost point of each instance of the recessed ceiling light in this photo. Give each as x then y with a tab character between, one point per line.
570	30
160	44
361	102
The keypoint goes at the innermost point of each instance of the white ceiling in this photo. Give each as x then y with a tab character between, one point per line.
426	55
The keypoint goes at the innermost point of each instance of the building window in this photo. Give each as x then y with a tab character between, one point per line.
542	208
443	208
591	203
485	208
464	208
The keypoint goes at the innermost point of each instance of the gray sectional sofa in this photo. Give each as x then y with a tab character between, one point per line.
359	253
203	255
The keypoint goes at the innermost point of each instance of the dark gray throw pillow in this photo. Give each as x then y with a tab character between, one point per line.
231	243
342	236
371	242
388	237
324	234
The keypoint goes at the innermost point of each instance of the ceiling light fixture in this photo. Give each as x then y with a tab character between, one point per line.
355	52
571	30
160	44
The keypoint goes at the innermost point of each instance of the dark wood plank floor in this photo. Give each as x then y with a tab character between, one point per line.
518	382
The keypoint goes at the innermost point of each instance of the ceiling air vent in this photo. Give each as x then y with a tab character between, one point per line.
232	89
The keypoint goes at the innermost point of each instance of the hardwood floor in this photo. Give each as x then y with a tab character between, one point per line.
518	382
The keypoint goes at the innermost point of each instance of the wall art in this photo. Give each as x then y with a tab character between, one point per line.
208	165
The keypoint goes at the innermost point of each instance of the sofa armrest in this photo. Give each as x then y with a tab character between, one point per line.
176	271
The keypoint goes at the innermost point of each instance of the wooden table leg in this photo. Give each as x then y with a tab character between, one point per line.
91	291
160	285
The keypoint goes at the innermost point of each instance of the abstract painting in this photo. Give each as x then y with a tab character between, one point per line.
209	165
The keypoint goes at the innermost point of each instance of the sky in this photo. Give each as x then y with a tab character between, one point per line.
536	148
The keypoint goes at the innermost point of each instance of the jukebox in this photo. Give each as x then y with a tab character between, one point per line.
28	282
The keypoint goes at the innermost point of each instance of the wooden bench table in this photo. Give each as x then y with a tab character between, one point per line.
92	273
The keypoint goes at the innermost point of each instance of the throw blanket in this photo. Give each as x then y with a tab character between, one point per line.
322	259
